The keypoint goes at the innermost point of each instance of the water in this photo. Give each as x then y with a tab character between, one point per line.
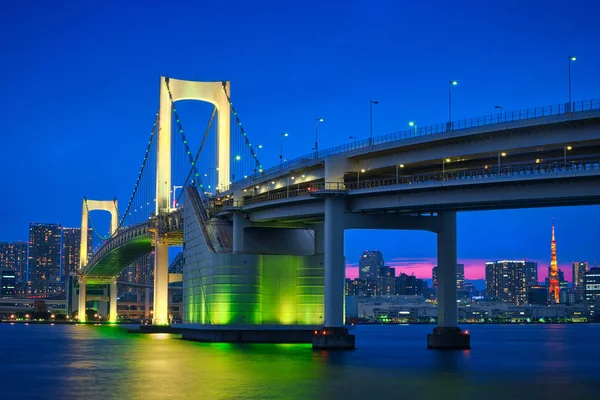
104	362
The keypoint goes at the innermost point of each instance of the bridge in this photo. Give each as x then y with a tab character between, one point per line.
268	249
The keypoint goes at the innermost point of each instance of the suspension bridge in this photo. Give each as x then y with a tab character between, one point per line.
264	247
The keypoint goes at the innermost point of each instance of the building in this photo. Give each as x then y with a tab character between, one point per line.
369	264
44	268
537	295
460	279
579	270
507	280
8	283
409	285
13	256
531	273
386	281
71	243
591	280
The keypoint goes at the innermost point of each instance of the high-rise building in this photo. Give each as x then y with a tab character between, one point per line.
409	285
506	280
369	264
537	295
554	283
44	260
531	273
460	278
591	280
3	254
579	270
8	282
386	281
71	242
13	256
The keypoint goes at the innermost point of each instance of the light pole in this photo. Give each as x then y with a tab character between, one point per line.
450	84
444	166
503	154
500	107
352	137
175	187
371	120
281	147
565	154
413	125
571	58
317	120
358	174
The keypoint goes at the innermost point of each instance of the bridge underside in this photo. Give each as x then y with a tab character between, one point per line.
117	260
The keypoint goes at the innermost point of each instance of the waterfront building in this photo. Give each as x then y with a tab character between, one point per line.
71	243
579	270
591	281
369	264
537	295
531	272
460	279
409	285
8	282
386	281
44	259
506	280
13	256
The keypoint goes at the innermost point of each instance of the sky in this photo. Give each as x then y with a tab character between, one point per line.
80	87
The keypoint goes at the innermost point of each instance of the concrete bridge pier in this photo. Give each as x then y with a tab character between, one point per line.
112	315
81	316
334	335
447	335
161	284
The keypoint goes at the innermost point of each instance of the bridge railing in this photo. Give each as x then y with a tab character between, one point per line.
418	131
478	174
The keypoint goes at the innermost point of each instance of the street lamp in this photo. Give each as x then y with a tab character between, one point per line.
175	187
317	120
352	137
371	120
450	84
499	107
571	59
565	154
281	147
358	174
413	125
503	154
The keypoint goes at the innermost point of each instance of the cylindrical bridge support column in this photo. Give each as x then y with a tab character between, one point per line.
447	296
147	303
334	335
335	269
112	315
447	335
239	224
161	284
81	316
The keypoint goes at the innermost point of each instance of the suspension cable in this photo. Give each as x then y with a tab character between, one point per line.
258	165
135	188
206	131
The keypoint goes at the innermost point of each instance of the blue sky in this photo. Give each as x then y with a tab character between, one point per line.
80	89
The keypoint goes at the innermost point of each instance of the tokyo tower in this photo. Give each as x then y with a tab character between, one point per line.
554	289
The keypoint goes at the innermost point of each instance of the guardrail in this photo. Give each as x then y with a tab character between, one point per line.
478	174
446	127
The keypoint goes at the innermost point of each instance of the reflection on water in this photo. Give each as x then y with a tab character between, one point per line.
104	362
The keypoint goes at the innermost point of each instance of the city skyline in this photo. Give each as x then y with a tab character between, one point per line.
361	44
